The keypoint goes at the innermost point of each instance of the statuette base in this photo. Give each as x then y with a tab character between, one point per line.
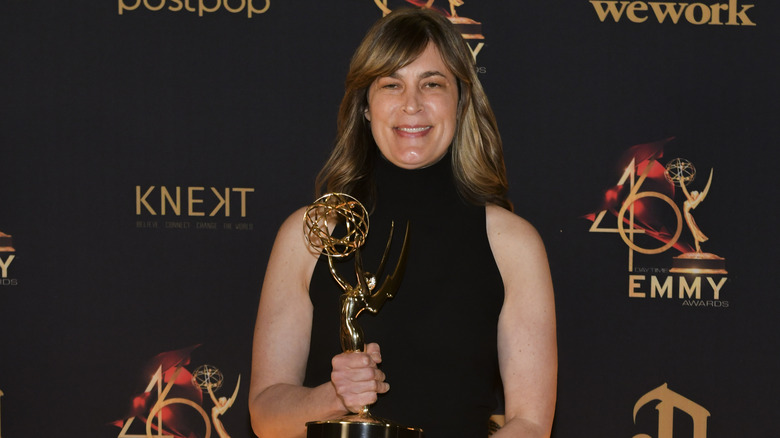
698	263
360	426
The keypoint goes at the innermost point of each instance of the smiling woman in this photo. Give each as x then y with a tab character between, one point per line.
413	111
474	315
389	47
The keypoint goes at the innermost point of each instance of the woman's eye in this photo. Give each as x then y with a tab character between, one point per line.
387	84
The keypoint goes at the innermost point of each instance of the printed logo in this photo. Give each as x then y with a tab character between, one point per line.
649	222
248	7
6	247
470	30
192	207
731	13
166	405
668	403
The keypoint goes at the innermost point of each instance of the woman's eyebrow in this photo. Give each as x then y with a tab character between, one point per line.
430	73
423	75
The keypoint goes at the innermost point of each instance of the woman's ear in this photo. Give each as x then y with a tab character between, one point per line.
367	114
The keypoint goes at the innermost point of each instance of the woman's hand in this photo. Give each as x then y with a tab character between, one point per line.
357	379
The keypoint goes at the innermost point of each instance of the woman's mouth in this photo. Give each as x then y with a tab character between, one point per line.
413	129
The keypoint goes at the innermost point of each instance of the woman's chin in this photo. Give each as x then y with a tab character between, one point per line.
414	160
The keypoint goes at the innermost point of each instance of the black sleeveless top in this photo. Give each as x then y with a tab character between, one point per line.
438	334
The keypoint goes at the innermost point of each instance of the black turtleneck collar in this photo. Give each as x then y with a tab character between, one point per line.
401	189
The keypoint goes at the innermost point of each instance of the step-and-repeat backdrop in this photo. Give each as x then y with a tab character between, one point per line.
149	150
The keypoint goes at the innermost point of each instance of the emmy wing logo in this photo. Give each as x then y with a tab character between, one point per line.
469	29
649	221
6	258
681	172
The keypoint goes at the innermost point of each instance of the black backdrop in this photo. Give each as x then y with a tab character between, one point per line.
101	110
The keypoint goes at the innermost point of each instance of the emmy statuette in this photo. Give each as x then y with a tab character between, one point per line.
366	295
681	172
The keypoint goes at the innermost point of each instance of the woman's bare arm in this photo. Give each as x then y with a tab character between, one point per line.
527	344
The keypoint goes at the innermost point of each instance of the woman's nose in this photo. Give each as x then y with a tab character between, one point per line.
412	103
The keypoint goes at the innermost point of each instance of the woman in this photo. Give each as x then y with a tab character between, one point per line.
417	143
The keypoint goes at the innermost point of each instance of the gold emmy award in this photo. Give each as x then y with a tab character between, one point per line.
319	220
681	173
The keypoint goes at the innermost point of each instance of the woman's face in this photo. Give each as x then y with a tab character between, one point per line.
413	111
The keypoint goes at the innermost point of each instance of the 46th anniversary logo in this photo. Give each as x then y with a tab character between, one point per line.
642	203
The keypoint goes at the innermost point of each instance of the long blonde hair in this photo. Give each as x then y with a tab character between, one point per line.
392	43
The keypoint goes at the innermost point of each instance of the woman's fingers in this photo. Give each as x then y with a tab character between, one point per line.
357	379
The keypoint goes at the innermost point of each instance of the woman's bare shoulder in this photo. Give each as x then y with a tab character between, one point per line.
517	246
504	224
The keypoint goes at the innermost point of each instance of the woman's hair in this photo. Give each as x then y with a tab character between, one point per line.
392	43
